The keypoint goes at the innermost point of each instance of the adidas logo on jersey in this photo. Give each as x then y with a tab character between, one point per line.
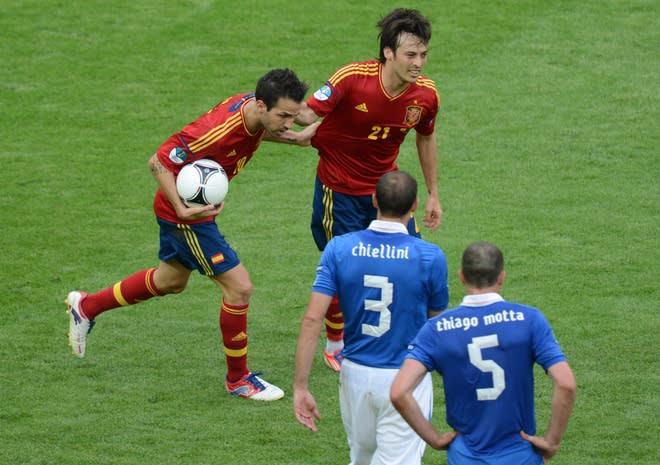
362	107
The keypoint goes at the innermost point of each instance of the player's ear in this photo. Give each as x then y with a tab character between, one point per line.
501	278
461	277
414	206
374	202
388	53
261	106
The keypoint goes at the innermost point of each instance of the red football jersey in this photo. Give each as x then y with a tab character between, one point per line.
363	126
220	135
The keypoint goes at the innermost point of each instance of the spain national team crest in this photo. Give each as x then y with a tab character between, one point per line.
413	114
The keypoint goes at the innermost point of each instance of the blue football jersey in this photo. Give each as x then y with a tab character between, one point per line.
387	281
485	351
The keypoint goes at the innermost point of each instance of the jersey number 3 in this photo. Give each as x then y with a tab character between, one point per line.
487	366
381	306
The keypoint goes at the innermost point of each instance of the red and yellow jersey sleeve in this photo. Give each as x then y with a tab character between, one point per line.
220	134
363	126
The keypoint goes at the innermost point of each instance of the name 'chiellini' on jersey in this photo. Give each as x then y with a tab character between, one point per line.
384	251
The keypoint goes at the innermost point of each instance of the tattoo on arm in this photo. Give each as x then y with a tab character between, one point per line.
157	167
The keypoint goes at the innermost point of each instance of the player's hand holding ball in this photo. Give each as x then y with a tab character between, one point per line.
202	186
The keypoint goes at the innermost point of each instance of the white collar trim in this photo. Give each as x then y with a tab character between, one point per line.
480	300
388	227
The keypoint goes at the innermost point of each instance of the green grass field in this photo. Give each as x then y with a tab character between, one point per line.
549	142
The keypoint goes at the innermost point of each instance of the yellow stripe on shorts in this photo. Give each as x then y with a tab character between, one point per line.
327	212
193	243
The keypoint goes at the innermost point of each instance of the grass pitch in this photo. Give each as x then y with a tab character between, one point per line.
548	140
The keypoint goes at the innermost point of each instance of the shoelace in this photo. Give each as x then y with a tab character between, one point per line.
254	379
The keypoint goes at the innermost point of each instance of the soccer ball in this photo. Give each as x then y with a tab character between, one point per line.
202	182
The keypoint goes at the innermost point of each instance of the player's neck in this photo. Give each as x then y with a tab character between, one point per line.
482	290
251	117
392	84
403	220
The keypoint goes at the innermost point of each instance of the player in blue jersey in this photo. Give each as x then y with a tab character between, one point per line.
388	283
485	350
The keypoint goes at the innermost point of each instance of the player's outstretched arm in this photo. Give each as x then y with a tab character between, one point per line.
563	399
302	137
401	395
306	117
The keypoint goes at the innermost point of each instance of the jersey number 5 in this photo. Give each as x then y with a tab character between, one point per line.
487	366
381	306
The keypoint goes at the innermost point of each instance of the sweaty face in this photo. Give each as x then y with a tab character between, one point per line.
280	118
409	58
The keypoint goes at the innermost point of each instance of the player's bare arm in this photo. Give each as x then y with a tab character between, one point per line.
306	116
302	137
401	395
427	152
304	404
563	399
167	183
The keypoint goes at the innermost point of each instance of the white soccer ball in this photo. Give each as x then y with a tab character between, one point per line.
202	182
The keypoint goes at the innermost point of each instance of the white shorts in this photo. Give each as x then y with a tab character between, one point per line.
377	434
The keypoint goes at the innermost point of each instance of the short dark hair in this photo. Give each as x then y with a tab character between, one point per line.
400	21
396	193
482	264
277	84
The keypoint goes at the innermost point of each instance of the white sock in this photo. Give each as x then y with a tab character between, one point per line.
333	346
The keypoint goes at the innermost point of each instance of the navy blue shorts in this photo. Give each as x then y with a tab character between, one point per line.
334	214
198	247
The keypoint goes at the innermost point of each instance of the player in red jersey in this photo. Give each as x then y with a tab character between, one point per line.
368	108
229	133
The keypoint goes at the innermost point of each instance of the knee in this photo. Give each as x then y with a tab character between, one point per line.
242	290
239	292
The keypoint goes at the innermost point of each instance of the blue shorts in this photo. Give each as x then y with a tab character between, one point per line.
198	246
334	214
459	454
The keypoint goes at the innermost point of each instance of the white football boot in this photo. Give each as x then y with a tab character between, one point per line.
79	325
